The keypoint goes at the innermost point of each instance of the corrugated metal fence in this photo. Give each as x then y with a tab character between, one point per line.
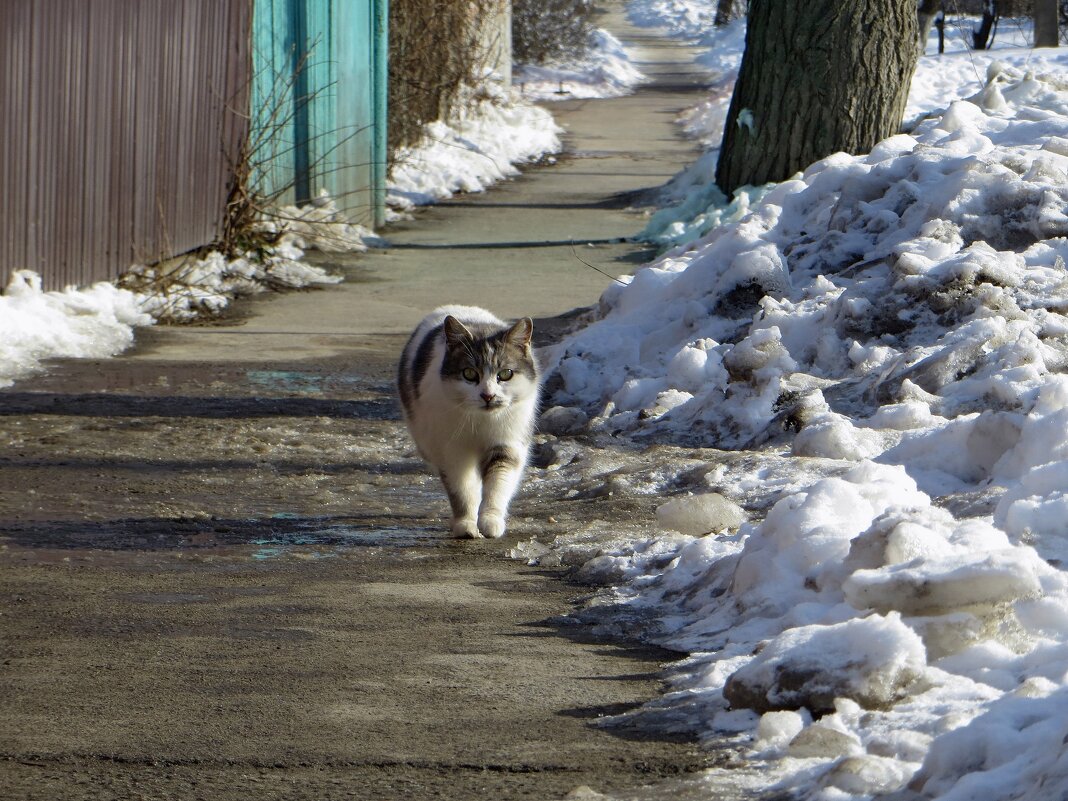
119	124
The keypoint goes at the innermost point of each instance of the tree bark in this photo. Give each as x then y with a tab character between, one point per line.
1047	33
817	77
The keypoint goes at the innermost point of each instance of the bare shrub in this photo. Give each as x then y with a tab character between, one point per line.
435	48
727	10
550	30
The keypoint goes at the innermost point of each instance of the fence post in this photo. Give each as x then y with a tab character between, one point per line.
381	99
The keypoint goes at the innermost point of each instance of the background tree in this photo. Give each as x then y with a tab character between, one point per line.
926	14
1047	33
817	77
546	30
982	37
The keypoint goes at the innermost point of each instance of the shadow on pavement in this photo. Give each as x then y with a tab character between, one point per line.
101	405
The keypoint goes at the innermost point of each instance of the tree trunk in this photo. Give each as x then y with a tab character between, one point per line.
981	37
926	16
1047	33
817	77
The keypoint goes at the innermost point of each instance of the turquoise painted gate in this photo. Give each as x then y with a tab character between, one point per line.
318	114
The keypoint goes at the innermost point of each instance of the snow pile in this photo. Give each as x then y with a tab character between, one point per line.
686	19
929	272
847	638
898	324
91	323
194	286
859	602
606	70
693	205
320	225
490	133
204	286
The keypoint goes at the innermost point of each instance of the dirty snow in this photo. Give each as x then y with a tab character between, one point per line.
880	346
492	131
605	70
495	129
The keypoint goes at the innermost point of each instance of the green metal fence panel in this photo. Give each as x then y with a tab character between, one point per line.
272	135
353	180
316	124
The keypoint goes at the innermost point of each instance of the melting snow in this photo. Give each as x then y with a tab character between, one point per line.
886	336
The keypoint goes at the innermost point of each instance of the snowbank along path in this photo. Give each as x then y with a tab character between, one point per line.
223	566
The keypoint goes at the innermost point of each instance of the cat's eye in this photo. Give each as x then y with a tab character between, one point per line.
470	374
505	375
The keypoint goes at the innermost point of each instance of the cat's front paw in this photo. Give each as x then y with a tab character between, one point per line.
491	525
466	528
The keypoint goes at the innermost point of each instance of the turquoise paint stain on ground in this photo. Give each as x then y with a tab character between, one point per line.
331	541
300	383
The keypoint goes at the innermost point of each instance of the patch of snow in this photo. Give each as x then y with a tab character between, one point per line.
91	323
99	321
606	70
492	131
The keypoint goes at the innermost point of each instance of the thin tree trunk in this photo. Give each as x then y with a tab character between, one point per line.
981	38
816	78
926	16
1047	33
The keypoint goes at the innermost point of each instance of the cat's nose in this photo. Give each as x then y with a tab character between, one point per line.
487	397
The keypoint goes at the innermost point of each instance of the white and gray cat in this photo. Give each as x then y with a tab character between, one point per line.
469	390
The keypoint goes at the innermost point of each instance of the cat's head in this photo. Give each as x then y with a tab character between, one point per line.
489	371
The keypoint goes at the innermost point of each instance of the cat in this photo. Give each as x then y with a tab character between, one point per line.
469	386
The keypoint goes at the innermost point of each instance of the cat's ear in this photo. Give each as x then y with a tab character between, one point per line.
521	332
455	332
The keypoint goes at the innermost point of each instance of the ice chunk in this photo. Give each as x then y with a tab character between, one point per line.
901	536
833	436
871	660
776	728
822	740
943	584
761	351
700	514
864	774
534	553
696	367
637	393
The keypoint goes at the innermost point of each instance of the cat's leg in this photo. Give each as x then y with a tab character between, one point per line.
501	469
463	485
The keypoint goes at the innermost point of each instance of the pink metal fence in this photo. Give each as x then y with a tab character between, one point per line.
120	121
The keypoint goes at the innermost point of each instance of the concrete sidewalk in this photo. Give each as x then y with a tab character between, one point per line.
225	573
